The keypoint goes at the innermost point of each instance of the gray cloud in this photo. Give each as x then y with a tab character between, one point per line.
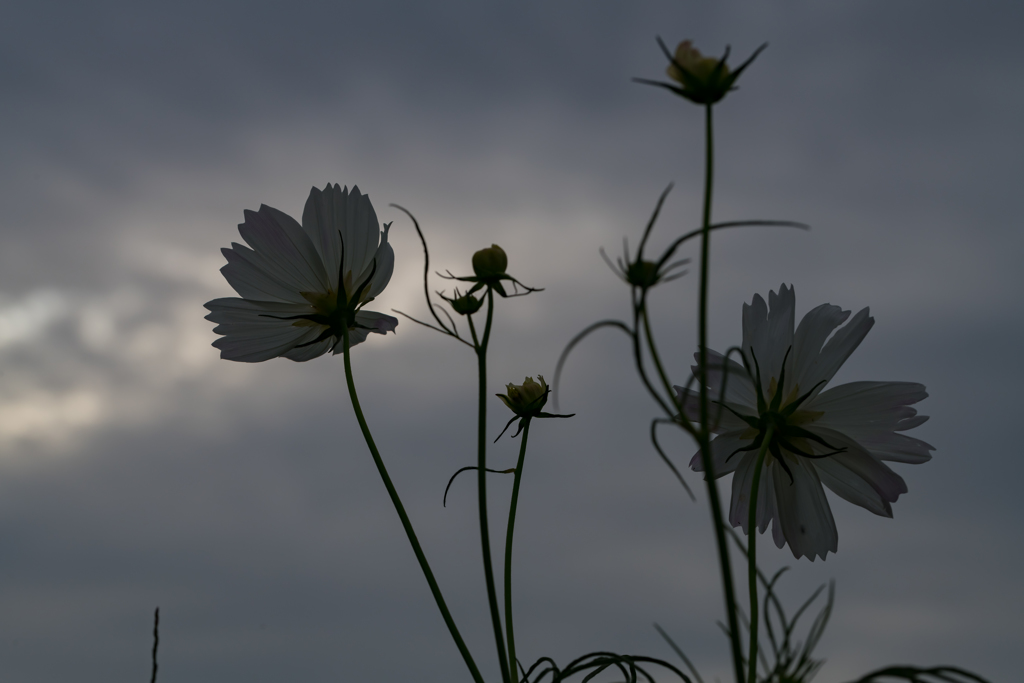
138	469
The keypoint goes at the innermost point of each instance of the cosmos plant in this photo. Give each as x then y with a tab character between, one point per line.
762	411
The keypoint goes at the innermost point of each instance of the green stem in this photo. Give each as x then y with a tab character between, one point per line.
509	633
639	360
705	434
661	370
406	524
752	553
485	536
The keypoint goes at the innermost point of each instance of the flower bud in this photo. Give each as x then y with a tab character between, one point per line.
466	305
490	262
700	68
526	399
643	274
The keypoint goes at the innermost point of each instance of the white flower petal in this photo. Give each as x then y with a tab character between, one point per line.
768	334
894	447
232	309
844	342
859	402
302	353
766	507
256	331
257	278
803	511
279	239
859	462
384	265
742	483
851	487
367	322
777	534
781	317
380	323
355	336
739	387
722	420
724	455
360	232
255	348
910	422
871	412
810	336
321	219
755	335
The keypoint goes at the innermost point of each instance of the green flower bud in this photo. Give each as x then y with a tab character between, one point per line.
526	399
643	274
490	262
465	305
700	68
702	80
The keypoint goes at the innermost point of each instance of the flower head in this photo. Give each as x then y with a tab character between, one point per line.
463	304
526	398
527	401
838	437
489	271
702	80
642	273
301	286
689	65
490	262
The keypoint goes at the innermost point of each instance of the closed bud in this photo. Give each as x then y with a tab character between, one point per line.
490	262
699	67
703	80
466	305
526	399
643	274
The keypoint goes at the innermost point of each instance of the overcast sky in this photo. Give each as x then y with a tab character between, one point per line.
138	469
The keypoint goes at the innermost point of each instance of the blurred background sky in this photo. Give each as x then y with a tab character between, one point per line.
137	469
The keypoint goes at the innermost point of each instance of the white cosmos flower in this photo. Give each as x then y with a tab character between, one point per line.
837	437
301	285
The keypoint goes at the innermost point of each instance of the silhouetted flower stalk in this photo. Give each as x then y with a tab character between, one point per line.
843	434
752	557
527	401
303	289
489	276
704	434
703	82
404	517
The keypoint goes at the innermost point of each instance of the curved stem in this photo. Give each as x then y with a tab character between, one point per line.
652	348
638	358
752	553
485	535
406	524
509	633
705	434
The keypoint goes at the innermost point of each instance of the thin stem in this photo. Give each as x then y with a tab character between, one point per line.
705	435
485	535
752	553
638	358
156	642
676	401
509	633
406	524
